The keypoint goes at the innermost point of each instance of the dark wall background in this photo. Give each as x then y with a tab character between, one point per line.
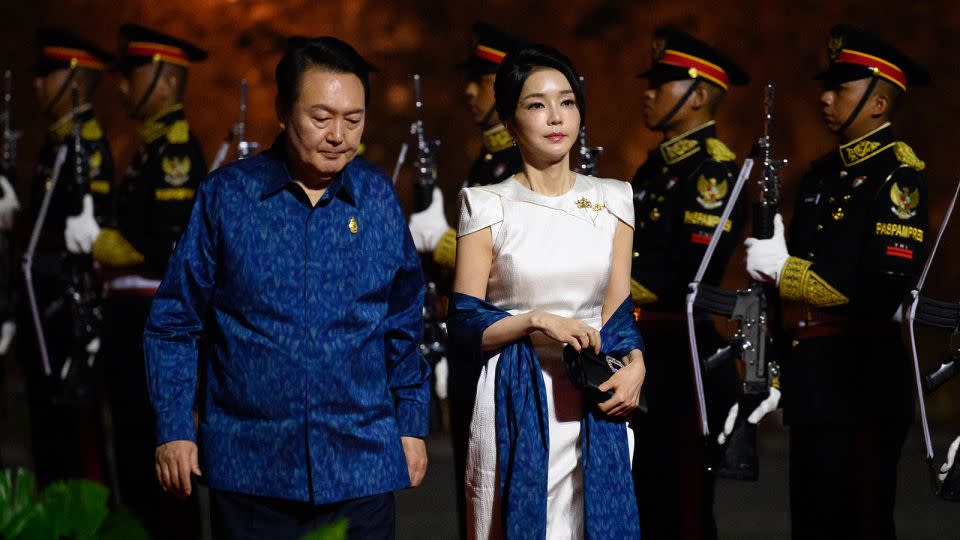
609	40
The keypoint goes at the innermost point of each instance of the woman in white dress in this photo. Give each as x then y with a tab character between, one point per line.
552	249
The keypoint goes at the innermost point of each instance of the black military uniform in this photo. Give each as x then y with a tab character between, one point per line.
66	432
857	237
499	160
154	204
680	193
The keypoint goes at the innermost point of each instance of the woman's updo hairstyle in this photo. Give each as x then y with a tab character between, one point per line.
517	66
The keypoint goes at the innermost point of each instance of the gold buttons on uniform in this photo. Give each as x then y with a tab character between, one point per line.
843	174
655	214
846	198
832	200
819	227
636	254
838	214
795	343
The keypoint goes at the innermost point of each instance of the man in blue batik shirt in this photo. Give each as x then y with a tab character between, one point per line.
297	287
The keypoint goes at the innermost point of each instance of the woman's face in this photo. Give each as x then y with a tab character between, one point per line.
547	121
325	123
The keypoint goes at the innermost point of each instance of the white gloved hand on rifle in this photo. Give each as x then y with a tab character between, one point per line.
766	407
948	464
428	226
9	204
765	258
82	229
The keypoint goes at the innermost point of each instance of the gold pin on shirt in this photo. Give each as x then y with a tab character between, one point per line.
353	226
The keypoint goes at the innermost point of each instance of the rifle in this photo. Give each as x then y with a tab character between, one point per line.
8	168
935	313
426	160
589	155
245	148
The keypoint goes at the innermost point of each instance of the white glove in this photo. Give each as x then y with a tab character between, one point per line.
440	373
82	229
765	258
9	204
92	349
947	465
428	226
7	331
766	407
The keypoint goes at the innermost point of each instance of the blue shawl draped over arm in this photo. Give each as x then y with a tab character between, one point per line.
523	443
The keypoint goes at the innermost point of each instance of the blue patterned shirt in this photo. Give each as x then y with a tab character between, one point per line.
306	322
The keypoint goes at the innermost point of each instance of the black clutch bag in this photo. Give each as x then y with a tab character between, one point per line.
588	370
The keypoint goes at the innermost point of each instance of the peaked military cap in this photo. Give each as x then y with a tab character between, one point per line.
856	54
678	56
490	46
140	45
57	49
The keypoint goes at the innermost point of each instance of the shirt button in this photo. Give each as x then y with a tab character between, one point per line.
843	174
810	254
636	254
795	343
846	198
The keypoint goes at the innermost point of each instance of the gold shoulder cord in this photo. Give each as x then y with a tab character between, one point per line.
112	249
445	254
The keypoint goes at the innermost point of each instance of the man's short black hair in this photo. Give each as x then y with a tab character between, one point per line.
515	69
324	52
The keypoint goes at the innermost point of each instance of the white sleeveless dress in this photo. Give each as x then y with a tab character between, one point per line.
550	254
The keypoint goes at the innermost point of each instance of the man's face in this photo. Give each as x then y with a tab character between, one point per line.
46	88
479	94
324	125
839	99
661	97
136	83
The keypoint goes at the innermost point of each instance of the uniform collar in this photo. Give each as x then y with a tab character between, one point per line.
157	125
496	139
341	186
62	127
867	146
687	144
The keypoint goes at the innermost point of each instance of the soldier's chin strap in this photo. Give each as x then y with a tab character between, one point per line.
859	107
157	70
662	124
60	93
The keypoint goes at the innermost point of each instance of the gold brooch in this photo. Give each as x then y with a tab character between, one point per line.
353	226
585	204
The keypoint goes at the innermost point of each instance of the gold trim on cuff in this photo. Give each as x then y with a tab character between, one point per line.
445	254
799	283
111	248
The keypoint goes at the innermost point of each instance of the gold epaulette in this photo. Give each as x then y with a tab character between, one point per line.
906	156
179	132
112	249
799	283
719	151
445	254
91	131
640	294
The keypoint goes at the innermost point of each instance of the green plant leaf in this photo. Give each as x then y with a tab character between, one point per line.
334	531
76	507
18	502
122	524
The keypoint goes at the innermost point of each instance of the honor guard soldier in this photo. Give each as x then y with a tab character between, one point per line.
855	249
154	204
64	417
679	194
499	159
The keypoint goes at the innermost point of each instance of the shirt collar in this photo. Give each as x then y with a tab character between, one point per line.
63	125
687	144
496	139
341	186
867	146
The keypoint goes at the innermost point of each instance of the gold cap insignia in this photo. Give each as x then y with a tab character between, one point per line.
905	201
834	46
176	170
711	192
353	225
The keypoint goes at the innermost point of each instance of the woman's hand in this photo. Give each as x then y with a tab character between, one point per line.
625	385
577	334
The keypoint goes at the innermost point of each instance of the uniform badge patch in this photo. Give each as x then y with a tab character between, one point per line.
659	46
905	201
711	192
176	170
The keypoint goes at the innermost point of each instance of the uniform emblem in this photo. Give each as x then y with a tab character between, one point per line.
905	202
659	46
711	192
95	162
353	226
834	46
176	170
